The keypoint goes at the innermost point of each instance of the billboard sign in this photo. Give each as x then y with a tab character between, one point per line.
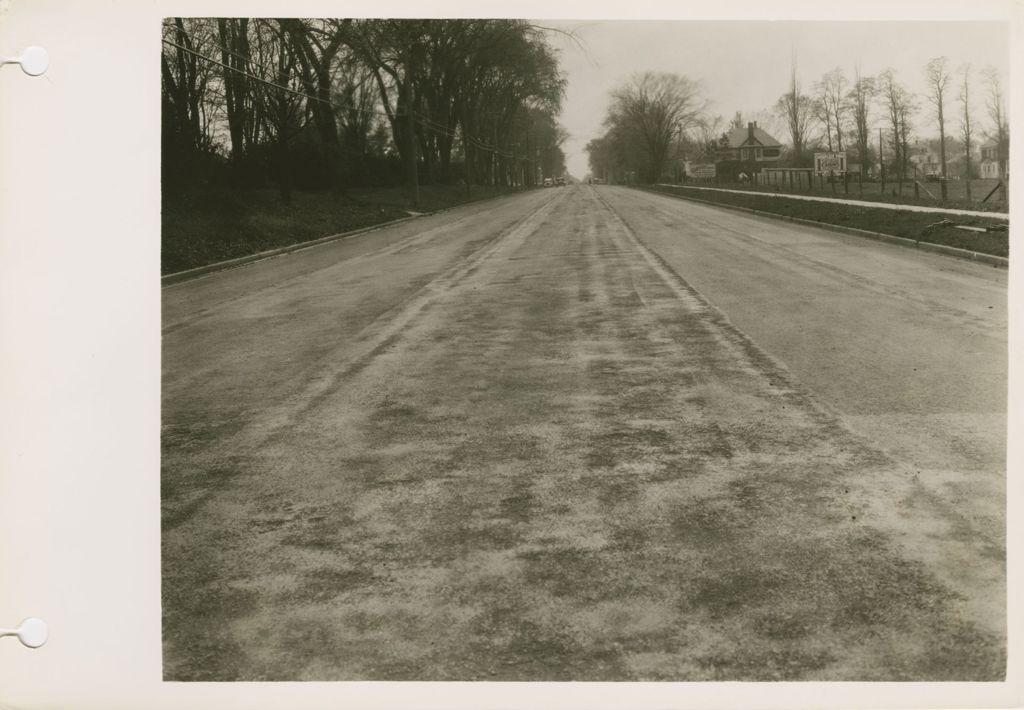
703	171
830	163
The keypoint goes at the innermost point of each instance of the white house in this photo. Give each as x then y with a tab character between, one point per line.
989	167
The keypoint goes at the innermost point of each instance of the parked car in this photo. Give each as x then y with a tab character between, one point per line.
560	181
548	182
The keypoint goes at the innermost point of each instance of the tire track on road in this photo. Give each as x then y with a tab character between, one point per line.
798	255
746	350
887	488
375	338
384	331
412	241
565	468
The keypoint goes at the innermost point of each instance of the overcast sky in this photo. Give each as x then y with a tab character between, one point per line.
744	66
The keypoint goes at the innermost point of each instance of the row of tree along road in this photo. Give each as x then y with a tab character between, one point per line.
658	124
337	103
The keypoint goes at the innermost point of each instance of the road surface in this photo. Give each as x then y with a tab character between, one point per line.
586	433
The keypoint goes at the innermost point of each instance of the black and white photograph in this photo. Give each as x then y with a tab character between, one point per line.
560	354
513	350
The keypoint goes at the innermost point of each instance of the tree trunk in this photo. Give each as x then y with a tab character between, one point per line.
284	169
409	154
235	83
445	158
942	151
968	165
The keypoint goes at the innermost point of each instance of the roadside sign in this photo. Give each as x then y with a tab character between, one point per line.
703	171
830	163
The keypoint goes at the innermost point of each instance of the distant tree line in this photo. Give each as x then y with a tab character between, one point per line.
853	111
335	103
655	120
645	120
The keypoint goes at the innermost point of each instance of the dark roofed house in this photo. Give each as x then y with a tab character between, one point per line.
750	144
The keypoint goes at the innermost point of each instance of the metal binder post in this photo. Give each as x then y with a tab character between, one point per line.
33	60
31	633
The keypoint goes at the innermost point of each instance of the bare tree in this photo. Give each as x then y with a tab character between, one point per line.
736	121
830	106
906	111
821	110
937	76
282	108
234	47
709	129
966	130
860	97
900	105
657	106
835	96
186	83
310	101
700	140
315	44
390	49
1000	130
796	109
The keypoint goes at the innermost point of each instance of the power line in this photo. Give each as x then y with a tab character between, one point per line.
476	142
421	120
270	83
241	56
438	128
244	73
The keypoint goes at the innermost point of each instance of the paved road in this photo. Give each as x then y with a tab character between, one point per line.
586	433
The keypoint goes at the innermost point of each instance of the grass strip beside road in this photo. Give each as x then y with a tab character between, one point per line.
898	223
872	192
201	228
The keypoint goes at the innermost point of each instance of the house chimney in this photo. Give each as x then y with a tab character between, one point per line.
750	130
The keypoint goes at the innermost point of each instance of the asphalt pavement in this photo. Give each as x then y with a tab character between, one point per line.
586	433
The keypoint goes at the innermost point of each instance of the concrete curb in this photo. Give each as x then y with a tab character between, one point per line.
189	274
849	201
998	261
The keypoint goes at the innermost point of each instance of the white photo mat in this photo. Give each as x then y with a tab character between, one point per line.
80	371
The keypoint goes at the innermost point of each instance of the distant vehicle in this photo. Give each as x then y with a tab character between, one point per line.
560	181
597	181
548	182
934	178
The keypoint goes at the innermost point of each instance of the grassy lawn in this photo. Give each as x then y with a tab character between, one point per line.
911	225
956	192
199	228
